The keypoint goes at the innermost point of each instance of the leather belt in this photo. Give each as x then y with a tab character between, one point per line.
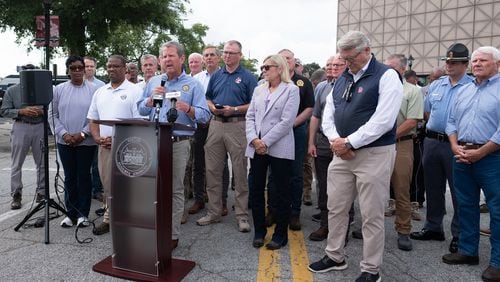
404	138
202	125
180	138
436	135
229	119
469	146
29	122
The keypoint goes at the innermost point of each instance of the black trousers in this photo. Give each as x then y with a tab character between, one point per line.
281	172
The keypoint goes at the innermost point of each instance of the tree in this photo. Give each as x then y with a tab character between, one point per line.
310	68
102	27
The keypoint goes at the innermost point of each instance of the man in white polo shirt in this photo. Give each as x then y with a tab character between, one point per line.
115	100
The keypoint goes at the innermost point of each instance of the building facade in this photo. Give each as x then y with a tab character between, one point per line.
421	28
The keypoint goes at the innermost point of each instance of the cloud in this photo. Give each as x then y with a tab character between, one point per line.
308	28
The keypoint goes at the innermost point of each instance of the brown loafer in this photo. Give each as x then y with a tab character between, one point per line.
224	210
174	243
319	235
196	207
101	229
491	274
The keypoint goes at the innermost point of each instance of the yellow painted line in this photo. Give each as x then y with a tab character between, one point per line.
299	259
269	261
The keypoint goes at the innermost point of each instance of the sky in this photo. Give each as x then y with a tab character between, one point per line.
308	28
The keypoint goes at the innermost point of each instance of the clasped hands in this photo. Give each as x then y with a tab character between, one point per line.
466	156
72	139
260	146
340	150
31	111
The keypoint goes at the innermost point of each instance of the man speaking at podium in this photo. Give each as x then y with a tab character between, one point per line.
182	100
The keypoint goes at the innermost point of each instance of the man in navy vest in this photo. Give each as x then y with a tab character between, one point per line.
360	123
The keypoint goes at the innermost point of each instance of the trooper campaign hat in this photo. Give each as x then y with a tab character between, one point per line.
457	53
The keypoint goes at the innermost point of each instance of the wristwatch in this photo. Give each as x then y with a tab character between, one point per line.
235	109
347	144
83	135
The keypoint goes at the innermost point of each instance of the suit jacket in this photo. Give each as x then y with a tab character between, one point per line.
274	125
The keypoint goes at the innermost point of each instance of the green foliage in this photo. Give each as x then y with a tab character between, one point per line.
310	68
103	27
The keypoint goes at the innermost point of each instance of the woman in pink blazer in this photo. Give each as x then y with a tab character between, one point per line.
270	143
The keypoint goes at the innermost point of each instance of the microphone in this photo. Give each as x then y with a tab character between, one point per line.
172	112
158	98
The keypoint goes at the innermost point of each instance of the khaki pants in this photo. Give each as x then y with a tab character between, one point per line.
368	176
223	138
401	180
104	165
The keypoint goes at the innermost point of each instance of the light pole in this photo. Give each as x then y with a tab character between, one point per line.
410	61
46	7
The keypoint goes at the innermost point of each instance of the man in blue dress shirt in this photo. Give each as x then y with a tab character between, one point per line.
474	132
191	107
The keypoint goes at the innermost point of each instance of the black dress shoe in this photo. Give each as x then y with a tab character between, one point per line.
426	235
357	234
456	258
100	211
276	244
258	242
404	242
454	245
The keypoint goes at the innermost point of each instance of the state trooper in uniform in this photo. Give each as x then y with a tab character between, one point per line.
438	157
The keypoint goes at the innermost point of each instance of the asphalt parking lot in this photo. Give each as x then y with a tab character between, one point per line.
220	252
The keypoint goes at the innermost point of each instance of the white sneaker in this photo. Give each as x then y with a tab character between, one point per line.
67	222
208	219
243	225
82	222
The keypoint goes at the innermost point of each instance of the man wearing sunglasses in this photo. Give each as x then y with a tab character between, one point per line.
360	123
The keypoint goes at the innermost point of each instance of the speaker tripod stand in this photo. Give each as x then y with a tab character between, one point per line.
47	202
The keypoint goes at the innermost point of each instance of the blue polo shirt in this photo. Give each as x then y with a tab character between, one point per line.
191	92
439	100
231	89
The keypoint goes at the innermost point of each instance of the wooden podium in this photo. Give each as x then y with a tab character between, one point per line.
140	202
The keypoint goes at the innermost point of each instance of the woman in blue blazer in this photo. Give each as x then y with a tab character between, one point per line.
270	143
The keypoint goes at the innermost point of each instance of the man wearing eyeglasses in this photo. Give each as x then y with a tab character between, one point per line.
360	123
319	147
438	157
228	94
115	100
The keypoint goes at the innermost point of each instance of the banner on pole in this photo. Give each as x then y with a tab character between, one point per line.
40	31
